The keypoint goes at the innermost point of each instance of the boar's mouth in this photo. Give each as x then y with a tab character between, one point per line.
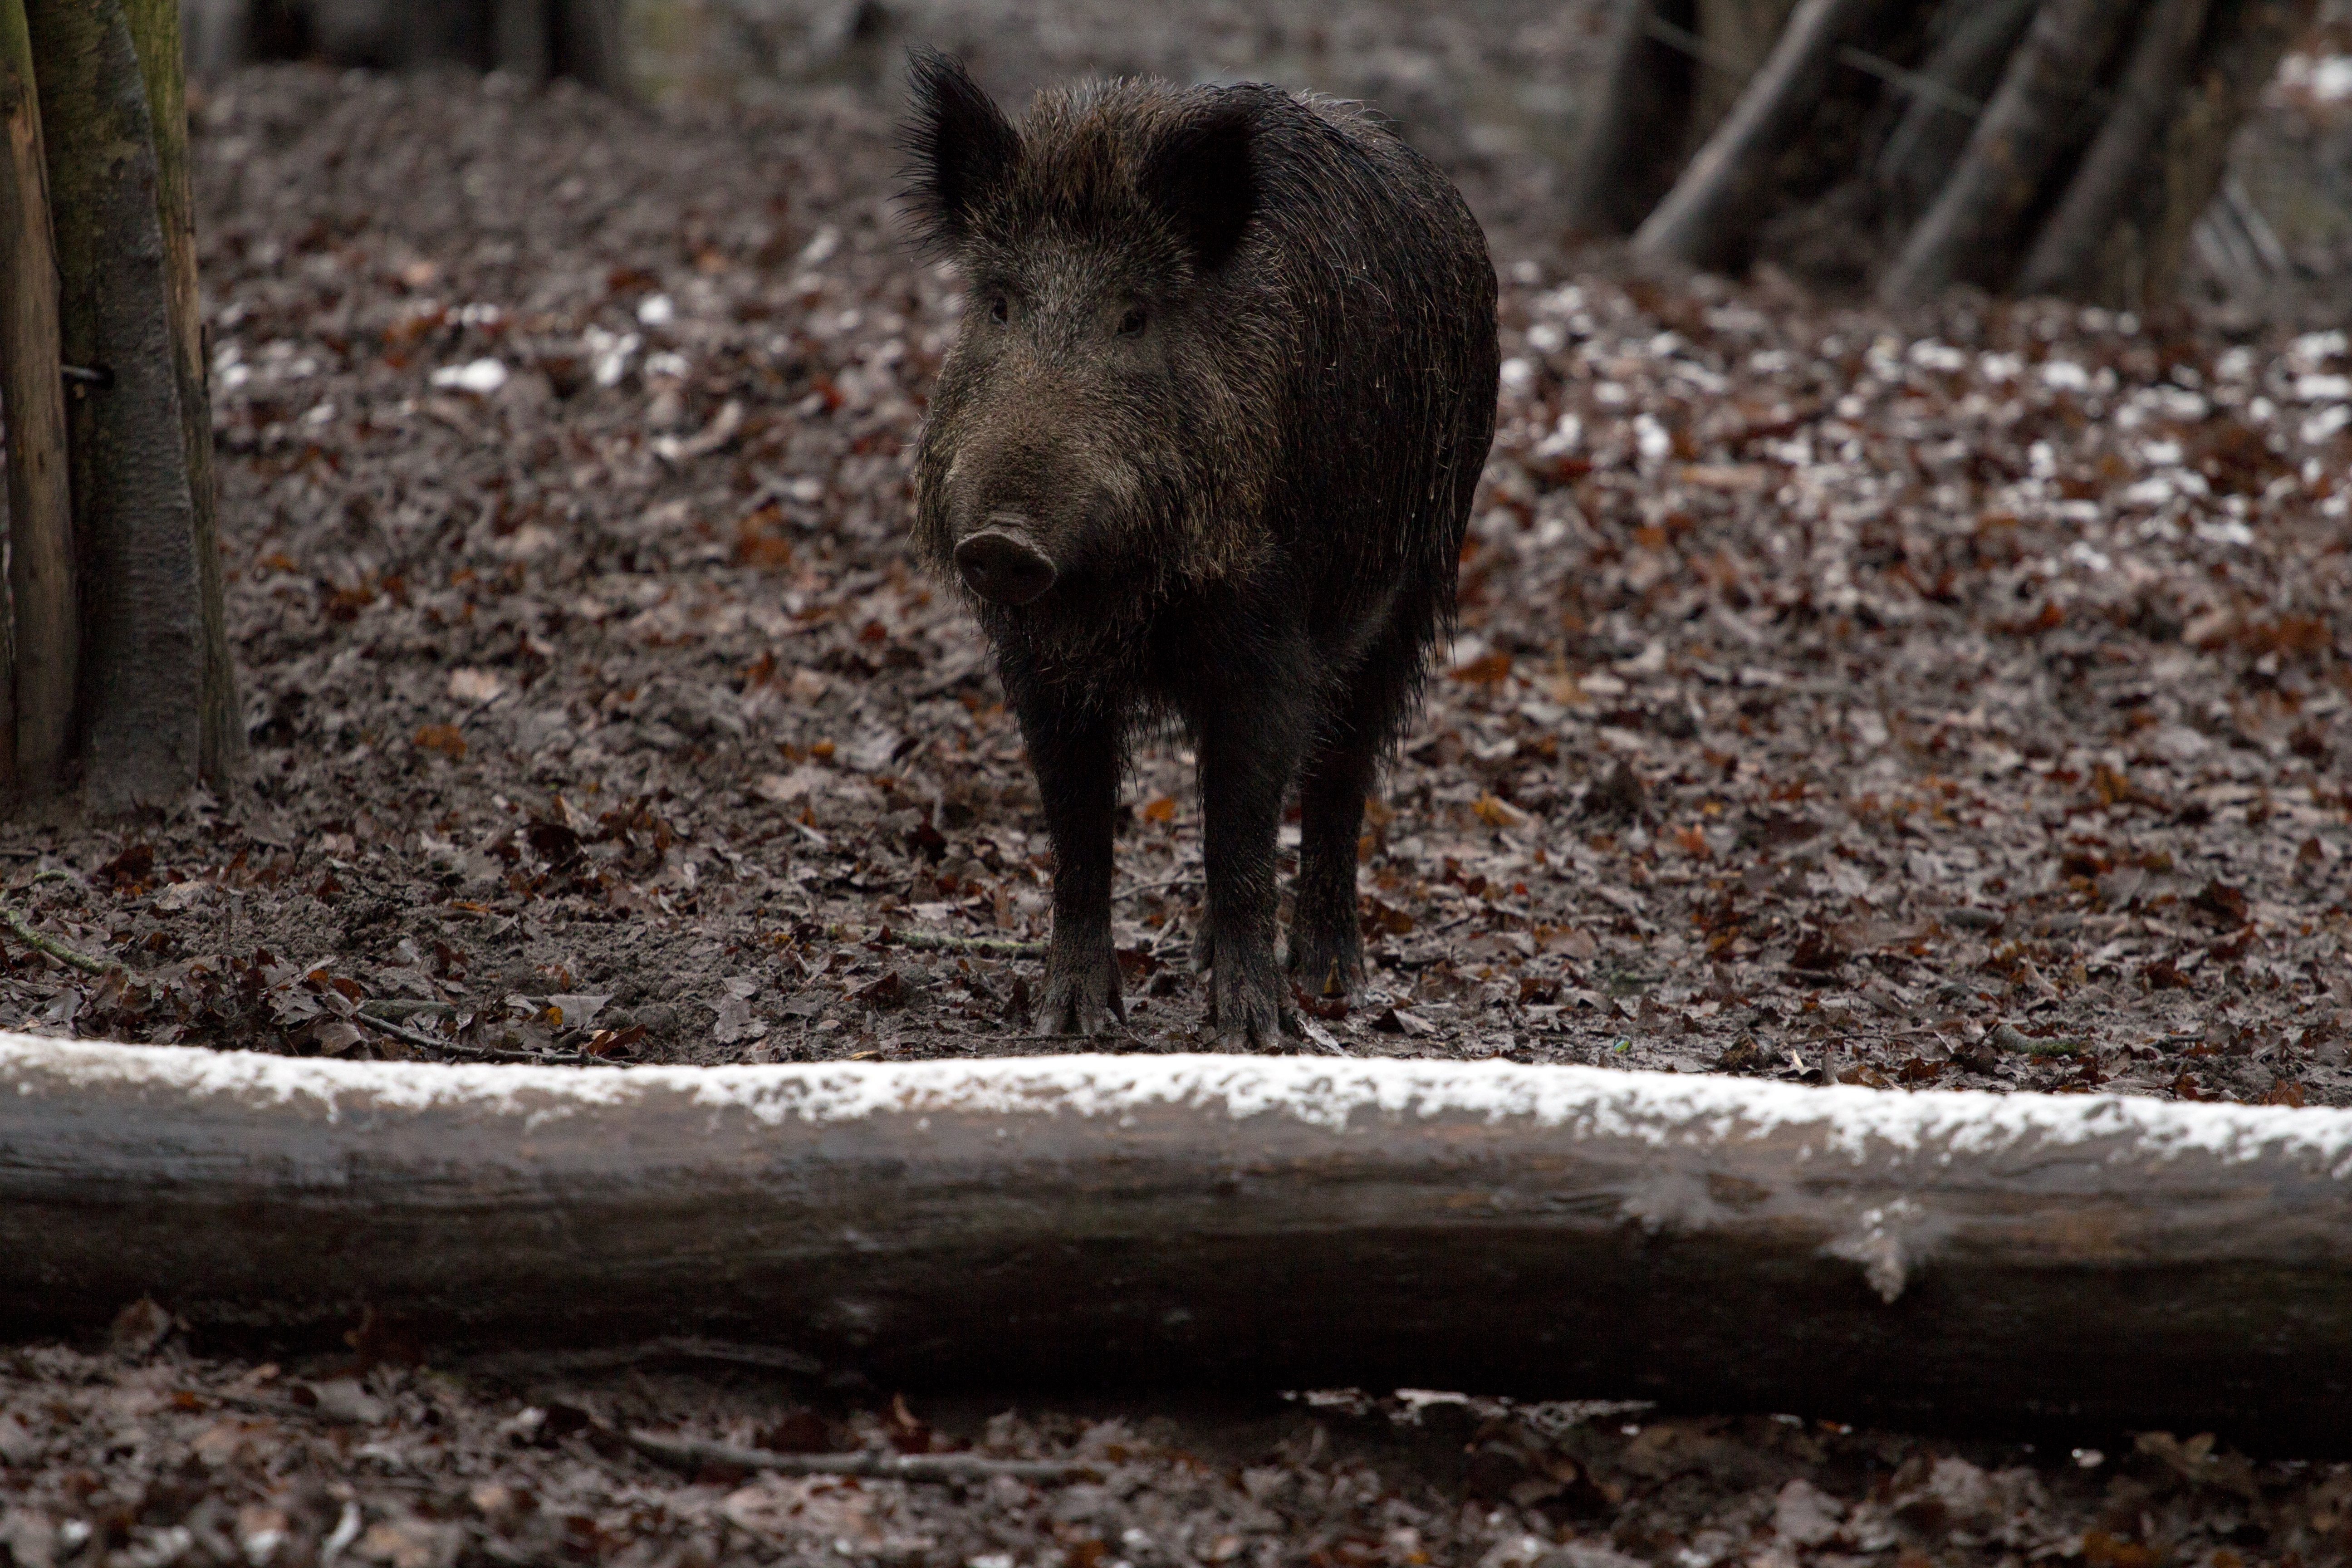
1003	564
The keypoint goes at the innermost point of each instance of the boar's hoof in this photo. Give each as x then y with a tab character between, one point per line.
1327	965
1246	1013
1003	566
1081	998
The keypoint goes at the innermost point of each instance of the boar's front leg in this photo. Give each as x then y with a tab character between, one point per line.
1075	754
1249	748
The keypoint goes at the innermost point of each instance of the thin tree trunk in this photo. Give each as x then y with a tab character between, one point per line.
156	33
2244	40
1739	36
1938	1257
519	40
1631	139
217	35
1708	214
38	729
1967	61
2070	241
141	688
592	46
1975	217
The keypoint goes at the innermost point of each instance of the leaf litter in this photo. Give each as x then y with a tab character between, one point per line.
1955	700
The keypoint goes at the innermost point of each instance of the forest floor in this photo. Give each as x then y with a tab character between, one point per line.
1958	701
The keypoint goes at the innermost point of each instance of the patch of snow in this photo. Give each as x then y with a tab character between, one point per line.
1837	1122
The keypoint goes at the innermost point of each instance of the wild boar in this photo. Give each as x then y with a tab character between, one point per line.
1204	449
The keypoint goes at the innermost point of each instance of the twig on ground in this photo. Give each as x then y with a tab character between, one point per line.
283	1408
480	1053
938	942
403	1032
72	958
688	1454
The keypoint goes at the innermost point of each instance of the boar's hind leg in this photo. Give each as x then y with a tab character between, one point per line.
1326	944
1327	947
1249	749
1077	760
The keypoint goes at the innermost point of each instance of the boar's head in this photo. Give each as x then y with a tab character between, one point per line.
1101	434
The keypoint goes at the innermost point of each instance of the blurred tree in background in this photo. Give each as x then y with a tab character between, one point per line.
532	39
117	670
2032	146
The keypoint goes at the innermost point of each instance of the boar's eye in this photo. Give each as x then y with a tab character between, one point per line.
1130	324
998	309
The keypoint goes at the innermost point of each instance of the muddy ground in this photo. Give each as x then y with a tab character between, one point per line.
1958	701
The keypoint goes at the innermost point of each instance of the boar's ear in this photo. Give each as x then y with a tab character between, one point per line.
1202	176
960	143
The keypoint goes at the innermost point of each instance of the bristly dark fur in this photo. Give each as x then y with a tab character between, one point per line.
1201	177
1227	376
957	142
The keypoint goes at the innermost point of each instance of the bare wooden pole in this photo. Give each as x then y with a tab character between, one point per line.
35	729
1938	1260
2012	148
1712	207
2070	241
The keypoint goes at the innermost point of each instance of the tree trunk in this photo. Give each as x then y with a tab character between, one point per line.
142	691
518	42
217	33
1712	206
1940	1259
531	39
1631	141
1966	62
1739	36
38	729
1985	135
2087	214
592	46
156	33
2021	137
2240	50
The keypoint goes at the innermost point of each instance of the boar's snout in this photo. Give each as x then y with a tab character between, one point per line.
1002	563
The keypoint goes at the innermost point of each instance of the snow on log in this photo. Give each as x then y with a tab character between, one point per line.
1938	1259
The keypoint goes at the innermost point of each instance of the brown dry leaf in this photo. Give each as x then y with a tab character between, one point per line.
1497	812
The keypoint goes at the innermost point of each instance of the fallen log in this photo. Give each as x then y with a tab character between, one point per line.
1938	1260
